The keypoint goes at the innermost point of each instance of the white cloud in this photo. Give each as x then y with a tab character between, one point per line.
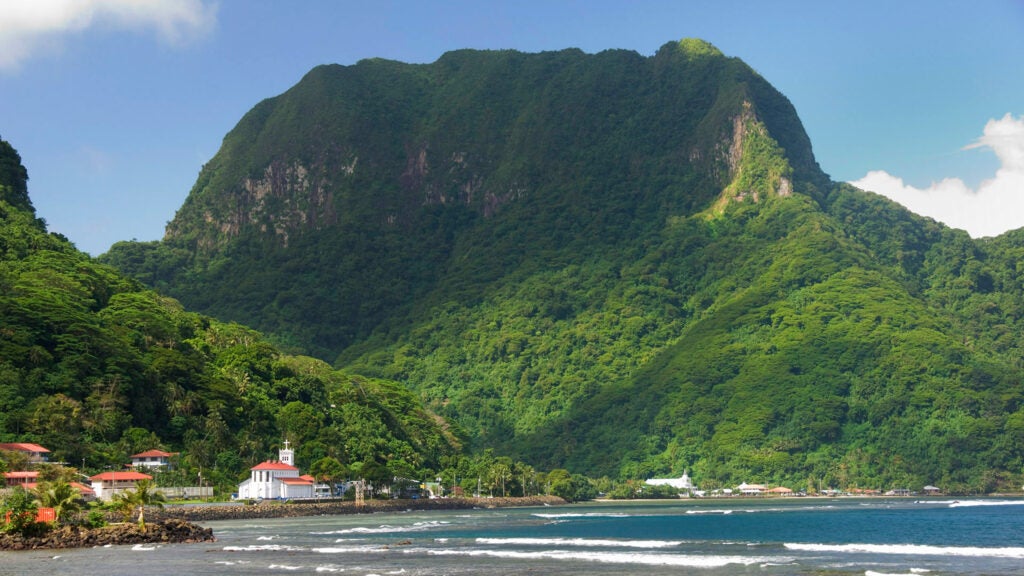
995	207
28	27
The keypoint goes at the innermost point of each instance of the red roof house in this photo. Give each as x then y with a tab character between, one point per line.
36	453
20	477
109	483
152	459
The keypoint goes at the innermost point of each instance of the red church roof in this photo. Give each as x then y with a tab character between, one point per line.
114	476
272	465
296	481
23	447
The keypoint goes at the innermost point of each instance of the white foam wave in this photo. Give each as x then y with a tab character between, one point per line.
386	528
347	549
584	515
263	547
684	560
913	572
709	511
329	568
140	547
581	542
970	503
912	549
284	567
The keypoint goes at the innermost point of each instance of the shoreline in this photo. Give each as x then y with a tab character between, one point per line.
180	524
297	508
169	531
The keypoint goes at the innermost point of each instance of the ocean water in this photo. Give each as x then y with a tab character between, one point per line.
869	537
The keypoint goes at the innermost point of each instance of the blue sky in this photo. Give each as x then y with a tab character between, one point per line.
115	105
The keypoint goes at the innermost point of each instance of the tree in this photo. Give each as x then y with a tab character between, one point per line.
500	474
14	460
22	508
143	495
59	495
378	475
328	469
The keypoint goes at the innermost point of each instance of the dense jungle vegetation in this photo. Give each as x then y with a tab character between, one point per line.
95	367
624	265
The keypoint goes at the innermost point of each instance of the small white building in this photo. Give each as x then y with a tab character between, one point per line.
277	479
109	483
152	459
683	483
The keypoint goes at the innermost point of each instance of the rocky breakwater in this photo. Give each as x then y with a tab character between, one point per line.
170	531
274	509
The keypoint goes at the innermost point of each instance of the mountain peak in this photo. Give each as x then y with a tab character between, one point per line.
696	48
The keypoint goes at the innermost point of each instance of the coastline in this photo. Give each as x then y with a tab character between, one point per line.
170	531
180	524
295	508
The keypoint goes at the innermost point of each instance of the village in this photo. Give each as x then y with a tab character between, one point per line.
280	479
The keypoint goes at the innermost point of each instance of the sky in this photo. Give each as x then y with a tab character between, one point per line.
115	105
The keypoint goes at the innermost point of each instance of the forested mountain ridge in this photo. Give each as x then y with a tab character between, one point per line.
95	367
628	265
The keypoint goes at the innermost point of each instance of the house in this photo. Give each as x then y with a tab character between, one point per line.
683	483
152	459
20	478
84	491
107	484
781	491
35	452
750	489
276	479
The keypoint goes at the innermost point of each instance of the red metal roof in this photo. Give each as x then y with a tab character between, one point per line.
308	477
112	476
272	465
23	447
153	454
296	481
83	489
21	474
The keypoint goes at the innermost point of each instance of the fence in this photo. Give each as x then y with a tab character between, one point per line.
185	492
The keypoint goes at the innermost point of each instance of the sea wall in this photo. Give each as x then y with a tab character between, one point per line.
273	509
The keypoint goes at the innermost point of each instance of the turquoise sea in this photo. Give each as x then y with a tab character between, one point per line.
708	537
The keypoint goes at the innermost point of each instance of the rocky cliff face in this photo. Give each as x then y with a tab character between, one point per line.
381	141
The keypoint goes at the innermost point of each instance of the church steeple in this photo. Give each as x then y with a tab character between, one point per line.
286	455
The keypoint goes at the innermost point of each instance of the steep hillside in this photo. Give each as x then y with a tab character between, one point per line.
96	368
628	265
343	203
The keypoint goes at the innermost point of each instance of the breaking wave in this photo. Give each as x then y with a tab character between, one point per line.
912	550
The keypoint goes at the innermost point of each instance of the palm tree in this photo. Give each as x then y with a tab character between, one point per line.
143	495
59	495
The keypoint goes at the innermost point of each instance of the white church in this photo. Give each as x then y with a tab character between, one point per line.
277	479
683	483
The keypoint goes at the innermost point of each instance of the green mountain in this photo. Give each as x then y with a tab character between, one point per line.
96	367
624	265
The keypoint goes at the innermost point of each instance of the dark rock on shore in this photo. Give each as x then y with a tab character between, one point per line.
170	531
